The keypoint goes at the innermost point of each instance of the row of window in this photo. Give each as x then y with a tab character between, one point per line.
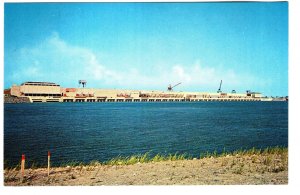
43	95
40	84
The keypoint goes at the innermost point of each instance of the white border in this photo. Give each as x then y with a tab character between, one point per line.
294	133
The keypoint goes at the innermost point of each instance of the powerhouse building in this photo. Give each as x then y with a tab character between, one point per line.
52	92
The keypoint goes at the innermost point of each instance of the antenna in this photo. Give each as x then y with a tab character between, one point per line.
82	82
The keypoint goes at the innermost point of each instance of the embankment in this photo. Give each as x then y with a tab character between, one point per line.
243	167
11	100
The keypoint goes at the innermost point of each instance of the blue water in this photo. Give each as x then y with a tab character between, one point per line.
100	131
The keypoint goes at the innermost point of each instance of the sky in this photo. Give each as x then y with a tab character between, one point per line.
149	45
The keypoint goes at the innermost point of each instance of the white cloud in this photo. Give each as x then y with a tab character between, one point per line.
58	61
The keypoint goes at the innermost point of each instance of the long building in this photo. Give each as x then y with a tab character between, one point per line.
52	92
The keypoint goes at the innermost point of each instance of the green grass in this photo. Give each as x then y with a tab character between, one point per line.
172	157
146	157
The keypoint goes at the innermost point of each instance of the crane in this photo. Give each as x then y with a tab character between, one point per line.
219	90
170	88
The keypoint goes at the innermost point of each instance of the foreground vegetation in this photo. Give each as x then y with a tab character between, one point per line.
252	166
146	158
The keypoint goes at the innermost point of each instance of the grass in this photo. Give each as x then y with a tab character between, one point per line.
146	157
172	157
268	160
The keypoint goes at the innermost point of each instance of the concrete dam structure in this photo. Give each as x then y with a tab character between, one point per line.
52	92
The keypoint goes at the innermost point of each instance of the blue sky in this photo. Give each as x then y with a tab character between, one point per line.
149	45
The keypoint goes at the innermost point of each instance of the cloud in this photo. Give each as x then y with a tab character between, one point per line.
58	61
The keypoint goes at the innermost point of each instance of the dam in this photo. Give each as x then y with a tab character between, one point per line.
52	92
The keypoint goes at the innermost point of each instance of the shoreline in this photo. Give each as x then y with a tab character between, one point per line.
269	166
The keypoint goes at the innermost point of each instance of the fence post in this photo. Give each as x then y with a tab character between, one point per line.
48	163
23	165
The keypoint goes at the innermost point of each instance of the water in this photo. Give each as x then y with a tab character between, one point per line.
100	131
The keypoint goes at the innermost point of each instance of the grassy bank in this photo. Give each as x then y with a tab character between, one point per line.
147	157
252	166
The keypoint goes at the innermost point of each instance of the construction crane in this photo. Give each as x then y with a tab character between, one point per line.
219	90
83	82
170	88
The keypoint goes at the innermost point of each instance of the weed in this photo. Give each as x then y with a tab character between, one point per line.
224	152
144	158
253	151
215	154
92	163
132	160
207	154
158	158
267	160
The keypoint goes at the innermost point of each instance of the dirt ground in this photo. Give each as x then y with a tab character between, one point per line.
238	169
